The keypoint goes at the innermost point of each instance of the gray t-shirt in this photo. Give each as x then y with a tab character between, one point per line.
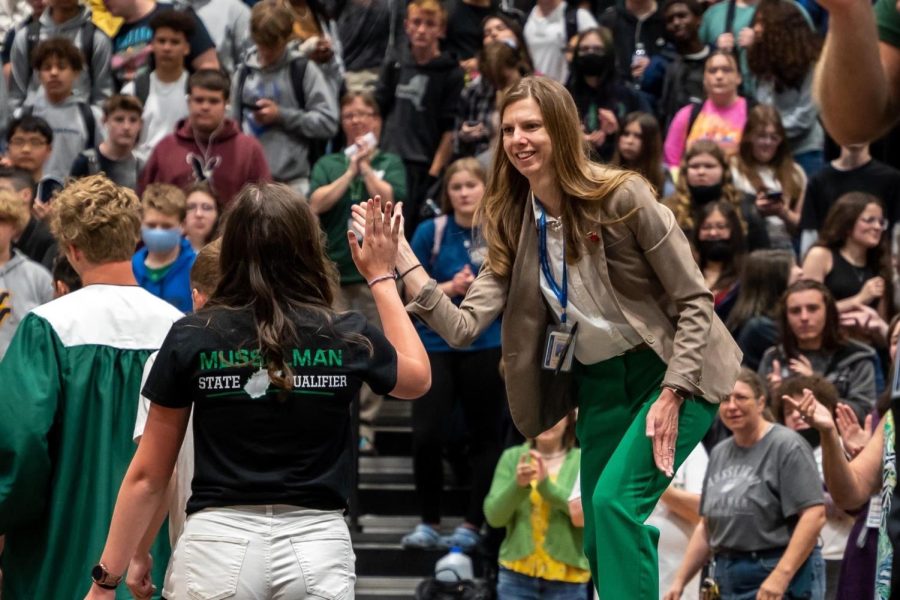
752	496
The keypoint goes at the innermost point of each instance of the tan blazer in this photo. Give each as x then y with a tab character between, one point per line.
644	262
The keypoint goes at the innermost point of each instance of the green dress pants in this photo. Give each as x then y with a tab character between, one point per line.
620	484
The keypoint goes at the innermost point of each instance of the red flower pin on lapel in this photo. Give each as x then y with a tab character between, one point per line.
592	235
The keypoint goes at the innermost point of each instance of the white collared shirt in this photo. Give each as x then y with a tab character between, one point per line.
603	332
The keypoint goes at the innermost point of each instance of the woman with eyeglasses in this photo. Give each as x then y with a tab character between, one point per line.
201	222
851	257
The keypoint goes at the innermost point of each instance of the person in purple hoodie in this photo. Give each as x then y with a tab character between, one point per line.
163	265
207	146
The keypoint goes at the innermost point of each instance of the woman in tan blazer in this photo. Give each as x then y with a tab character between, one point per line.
583	250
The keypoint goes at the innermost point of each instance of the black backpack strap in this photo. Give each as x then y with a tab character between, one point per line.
142	87
571	21
298	72
90	124
729	16
87	49
27	111
93	163
32	39
696	108
239	94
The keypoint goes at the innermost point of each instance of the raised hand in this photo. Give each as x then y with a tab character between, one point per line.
378	252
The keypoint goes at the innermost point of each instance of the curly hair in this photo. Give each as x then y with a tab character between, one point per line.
680	202
98	217
787	49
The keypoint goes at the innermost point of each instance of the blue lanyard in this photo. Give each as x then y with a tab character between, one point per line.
562	294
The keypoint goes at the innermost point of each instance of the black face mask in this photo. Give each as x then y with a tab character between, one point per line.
704	194
715	250
595	65
812	436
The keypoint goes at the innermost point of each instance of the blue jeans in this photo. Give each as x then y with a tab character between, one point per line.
515	586
739	578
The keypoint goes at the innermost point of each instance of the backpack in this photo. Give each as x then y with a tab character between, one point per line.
142	87
93	160
33	38
87	117
298	72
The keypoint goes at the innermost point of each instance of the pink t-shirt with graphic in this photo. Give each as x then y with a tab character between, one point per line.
721	125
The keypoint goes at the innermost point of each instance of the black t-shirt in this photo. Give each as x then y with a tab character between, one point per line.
253	442
829	184
464	31
364	29
131	45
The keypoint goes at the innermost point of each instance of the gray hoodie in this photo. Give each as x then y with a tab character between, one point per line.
24	90
286	141
69	132
24	284
228	24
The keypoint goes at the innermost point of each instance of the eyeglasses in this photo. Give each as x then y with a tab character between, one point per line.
351	116
31	142
591	50
205	207
881	222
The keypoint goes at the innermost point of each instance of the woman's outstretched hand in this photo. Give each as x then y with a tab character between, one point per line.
662	429
377	254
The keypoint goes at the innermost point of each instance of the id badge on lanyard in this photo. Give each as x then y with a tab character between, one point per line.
559	352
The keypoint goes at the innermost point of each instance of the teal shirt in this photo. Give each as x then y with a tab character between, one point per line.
509	505
888	22
335	221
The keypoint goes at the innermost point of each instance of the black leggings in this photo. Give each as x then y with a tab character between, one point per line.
473	379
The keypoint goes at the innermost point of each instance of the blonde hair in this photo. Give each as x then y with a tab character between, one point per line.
468	164
428	7
98	217
165	198
13	209
584	185
680	202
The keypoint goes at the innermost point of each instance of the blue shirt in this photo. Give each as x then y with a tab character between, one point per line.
458	248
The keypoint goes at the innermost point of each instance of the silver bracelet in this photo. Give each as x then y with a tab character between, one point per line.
375	280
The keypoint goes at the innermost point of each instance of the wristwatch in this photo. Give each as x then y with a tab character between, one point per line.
682	395
102	577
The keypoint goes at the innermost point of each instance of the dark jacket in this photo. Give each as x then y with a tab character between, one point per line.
627	32
851	368
37	243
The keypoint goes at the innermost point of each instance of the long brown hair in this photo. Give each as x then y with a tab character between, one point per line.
469	165
760	117
731	269
832	335
788	48
584	185
273	262
649	160
680	202
763	281
839	224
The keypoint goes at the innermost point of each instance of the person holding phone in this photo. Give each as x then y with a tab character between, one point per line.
765	169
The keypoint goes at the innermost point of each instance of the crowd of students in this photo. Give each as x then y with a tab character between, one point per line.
183	107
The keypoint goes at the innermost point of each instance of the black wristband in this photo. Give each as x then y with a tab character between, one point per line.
410	270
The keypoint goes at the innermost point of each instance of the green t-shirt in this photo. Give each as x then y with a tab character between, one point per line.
335	221
155	275
888	22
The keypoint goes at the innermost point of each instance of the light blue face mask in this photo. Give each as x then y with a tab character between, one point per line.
160	240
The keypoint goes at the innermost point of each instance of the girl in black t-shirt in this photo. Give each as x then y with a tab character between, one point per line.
270	372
